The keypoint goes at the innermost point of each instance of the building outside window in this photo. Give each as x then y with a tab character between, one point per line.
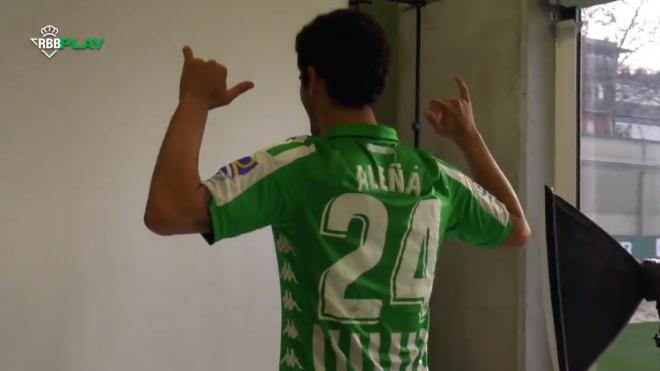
620	148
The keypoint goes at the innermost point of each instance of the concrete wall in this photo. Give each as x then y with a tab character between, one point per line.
538	128
487	306
476	302
84	285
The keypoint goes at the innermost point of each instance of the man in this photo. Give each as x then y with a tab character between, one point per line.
357	216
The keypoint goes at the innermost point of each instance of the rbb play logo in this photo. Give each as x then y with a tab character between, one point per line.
49	43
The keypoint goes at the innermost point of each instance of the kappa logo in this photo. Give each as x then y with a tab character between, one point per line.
49	43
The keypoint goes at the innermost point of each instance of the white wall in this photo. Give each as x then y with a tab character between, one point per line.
83	284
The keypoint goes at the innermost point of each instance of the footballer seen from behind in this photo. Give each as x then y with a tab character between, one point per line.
358	218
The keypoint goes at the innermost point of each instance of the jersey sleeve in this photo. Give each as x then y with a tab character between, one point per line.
254	191
475	216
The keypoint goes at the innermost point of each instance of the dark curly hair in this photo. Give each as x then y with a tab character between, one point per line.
350	51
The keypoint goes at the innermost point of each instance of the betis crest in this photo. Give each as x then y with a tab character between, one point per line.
236	168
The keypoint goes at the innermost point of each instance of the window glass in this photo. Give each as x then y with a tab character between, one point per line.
620	149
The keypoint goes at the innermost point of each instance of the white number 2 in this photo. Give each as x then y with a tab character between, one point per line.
419	243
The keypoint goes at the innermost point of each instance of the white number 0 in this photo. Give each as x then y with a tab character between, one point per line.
420	242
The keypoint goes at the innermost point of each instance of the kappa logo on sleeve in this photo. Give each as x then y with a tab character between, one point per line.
236	168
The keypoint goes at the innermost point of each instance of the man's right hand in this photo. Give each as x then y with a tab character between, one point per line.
205	82
452	117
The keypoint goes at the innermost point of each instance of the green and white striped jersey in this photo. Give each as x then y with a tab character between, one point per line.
358	220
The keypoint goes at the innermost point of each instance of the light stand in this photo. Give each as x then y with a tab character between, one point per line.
417	5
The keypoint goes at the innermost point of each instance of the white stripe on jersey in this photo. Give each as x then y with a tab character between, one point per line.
487	201
395	352
298	139
341	358
383	150
412	351
355	355
226	189
358	349
374	351
424	336
318	343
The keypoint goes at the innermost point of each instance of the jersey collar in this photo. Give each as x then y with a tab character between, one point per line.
363	130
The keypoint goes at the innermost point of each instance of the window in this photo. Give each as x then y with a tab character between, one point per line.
620	167
591	127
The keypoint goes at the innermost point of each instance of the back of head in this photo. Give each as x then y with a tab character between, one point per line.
350	52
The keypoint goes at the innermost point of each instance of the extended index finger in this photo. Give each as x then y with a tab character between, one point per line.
188	53
463	88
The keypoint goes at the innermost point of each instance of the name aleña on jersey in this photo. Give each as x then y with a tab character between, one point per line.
392	180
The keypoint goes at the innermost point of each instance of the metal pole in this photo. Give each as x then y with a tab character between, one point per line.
416	124
418	4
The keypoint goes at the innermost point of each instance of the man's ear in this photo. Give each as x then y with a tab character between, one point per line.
315	81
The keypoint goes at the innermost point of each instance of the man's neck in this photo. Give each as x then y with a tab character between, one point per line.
343	116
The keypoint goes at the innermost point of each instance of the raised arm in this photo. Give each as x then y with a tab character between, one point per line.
453	119
177	202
